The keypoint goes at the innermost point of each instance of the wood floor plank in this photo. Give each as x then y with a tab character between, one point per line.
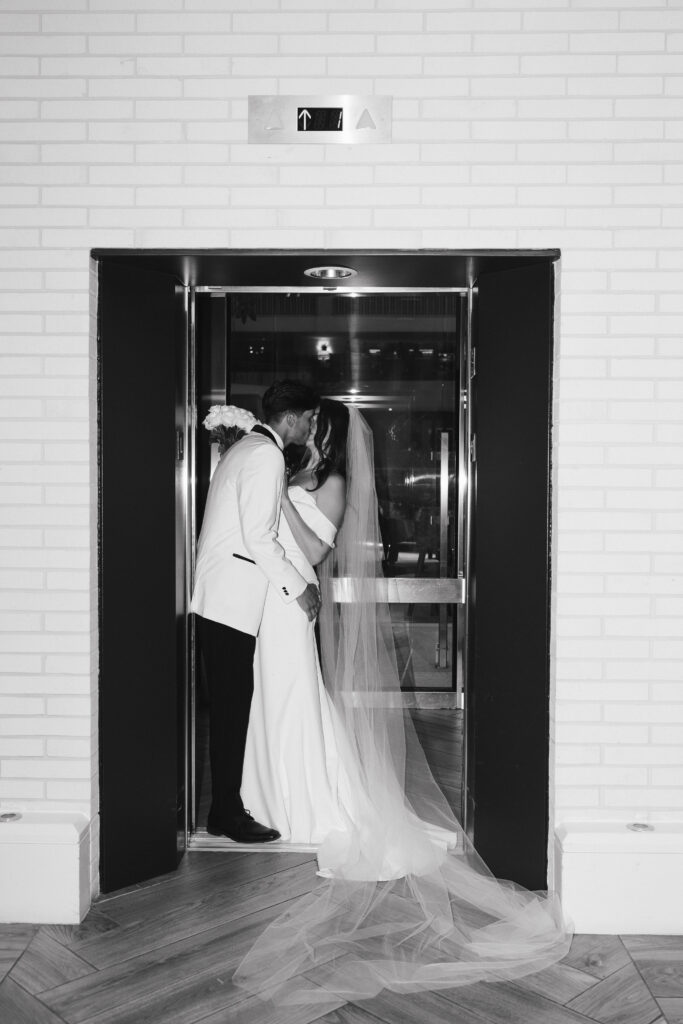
350	1013
73	935
198	996
232	871
653	946
622	998
453	797
443	740
14	938
436	747
672	1010
167	968
425	1007
402	1008
659	959
561	983
210	998
138	902
436	761
444	759
452	792
664	978
20	1007
439	743
208	911
444	744
598	955
46	964
189	872
448	783
502	1003
254	1011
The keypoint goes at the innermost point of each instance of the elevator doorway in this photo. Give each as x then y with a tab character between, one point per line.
401	357
491	624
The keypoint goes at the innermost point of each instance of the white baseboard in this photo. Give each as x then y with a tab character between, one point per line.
44	868
613	880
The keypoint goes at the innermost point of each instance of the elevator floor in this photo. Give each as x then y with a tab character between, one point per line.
164	952
439	732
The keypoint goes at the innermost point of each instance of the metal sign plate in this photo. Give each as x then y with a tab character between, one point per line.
344	118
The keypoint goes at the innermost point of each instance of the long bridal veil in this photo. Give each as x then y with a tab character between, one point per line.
405	902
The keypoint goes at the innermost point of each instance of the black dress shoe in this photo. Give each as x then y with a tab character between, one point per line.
243	829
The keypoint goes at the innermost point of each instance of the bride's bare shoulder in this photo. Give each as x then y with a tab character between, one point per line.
331	498
334	482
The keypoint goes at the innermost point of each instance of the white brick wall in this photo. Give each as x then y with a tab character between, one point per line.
517	123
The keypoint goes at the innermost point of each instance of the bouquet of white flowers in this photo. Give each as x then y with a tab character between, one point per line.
228	423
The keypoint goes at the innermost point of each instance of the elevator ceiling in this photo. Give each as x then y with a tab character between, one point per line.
277	268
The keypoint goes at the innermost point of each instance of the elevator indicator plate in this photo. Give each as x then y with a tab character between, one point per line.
350	119
320	119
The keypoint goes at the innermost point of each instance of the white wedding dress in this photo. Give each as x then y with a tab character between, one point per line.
292	779
300	774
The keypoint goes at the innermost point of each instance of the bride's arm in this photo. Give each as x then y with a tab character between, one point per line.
314	549
331	501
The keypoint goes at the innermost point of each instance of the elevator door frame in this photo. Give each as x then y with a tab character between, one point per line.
509	784
443	591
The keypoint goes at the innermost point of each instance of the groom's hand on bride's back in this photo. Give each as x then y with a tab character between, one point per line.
309	601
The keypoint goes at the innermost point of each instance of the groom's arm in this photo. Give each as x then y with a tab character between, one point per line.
259	490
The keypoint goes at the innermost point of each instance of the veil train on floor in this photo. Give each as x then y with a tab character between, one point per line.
405	902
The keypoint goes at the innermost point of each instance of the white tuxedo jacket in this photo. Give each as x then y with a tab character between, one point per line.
238	554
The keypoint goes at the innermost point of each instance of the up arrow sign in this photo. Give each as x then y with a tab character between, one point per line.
305	116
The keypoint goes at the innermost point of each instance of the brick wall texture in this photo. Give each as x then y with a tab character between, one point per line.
517	123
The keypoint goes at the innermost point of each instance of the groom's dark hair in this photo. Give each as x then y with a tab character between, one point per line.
285	396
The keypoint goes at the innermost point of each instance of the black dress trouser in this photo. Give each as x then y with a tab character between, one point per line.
229	665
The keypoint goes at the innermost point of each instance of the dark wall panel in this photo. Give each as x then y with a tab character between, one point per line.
140	315
509	697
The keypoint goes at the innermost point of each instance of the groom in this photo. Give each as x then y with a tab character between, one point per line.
238	558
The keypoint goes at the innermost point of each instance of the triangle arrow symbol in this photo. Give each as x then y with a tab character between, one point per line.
365	120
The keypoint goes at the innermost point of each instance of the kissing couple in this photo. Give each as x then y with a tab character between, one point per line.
258	597
313	745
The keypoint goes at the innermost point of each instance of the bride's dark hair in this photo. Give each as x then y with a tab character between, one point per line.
330	439
333	416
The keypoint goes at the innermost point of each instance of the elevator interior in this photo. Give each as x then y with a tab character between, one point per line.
400	357
448	354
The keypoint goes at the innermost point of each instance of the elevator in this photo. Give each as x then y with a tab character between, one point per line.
448	355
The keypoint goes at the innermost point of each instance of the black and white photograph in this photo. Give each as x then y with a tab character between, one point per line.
341	554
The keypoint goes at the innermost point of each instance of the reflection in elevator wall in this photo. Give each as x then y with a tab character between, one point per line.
399	358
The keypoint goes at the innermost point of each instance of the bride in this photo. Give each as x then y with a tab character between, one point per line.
332	759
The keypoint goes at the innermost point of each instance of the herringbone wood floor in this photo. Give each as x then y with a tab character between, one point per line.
164	952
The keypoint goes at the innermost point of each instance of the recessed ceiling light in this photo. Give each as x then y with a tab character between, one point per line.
330	273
